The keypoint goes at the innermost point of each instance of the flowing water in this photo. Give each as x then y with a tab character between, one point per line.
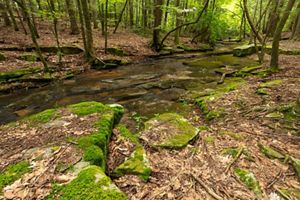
147	88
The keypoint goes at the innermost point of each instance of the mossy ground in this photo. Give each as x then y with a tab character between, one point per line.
91	183
12	173
42	117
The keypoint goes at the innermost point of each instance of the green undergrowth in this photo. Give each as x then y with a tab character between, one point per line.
13	172
233	152
136	164
91	183
249	180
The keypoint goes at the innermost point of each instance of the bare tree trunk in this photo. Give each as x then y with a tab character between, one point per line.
21	21
277	35
106	26
178	22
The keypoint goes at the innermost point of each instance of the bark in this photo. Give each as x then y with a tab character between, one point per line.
157	23
72	17
106	26
5	16
131	14
178	22
82	27
11	14
296	27
277	35
88	31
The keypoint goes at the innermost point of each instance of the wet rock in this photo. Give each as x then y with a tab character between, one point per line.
169	130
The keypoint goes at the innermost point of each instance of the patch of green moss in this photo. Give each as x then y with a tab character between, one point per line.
136	164
270	153
275	115
42	117
86	108
233	152
209	114
249	180
13	173
92	184
128	134
233	135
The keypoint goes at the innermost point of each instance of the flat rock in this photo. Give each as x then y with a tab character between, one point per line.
168	130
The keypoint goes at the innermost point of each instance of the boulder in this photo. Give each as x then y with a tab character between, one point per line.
29	57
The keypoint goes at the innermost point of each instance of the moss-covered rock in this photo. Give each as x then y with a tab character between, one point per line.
136	164
12	173
270	153
270	84
91	183
244	50
15	75
249	180
124	132
289	193
247	71
236	136
169	130
29	57
86	108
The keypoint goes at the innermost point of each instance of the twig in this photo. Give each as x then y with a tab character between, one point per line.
235	159
207	189
275	179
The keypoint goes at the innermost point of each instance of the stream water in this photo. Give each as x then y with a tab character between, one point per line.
147	88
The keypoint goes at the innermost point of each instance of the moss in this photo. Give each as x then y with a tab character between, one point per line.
275	115
94	155
270	153
115	51
13	173
249	180
42	117
136	164
209	114
296	165
233	152
209	139
214	114
236	136
244	50
271	83
86	108
91	183
127	134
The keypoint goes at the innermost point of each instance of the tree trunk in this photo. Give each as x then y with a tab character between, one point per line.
178	22
88	31
72	17
11	14
5	16
106	26
296	26
157	23
277	36
131	14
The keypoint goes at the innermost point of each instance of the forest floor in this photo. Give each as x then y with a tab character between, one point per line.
249	149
